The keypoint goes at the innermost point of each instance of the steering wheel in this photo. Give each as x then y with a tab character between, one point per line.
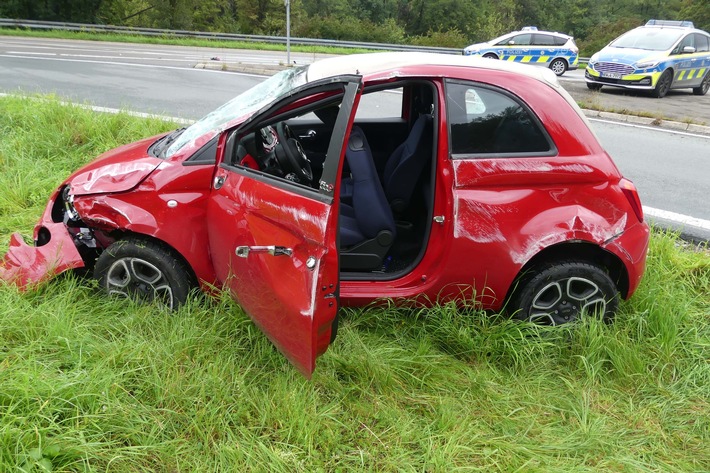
291	155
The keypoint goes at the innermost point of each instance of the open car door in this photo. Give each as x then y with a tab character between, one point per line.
273	242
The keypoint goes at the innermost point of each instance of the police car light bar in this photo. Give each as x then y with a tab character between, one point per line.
529	28
685	24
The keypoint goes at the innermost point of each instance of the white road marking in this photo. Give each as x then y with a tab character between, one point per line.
680	219
646	127
118	63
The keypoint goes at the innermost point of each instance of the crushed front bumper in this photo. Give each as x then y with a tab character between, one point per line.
25	265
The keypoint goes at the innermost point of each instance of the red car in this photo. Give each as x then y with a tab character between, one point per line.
418	178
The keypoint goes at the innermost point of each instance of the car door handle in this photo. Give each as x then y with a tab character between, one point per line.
243	251
309	135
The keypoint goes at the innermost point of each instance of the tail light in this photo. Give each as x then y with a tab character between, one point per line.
632	195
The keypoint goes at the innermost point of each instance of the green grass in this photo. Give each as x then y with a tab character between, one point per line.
89	383
89	35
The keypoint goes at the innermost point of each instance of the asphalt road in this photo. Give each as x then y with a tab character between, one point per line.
672	170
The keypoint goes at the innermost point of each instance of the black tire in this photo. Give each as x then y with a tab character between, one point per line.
561	292
490	56
558	66
593	86
702	89
144	270
663	85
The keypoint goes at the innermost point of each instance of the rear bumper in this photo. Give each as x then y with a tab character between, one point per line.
631	247
25	265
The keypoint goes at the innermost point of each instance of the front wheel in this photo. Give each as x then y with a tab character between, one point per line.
663	85
593	86
144	270
704	85
558	66
490	56
563	292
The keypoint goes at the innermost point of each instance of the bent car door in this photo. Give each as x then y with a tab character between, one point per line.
273	240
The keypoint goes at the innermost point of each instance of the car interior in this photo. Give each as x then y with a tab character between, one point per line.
386	194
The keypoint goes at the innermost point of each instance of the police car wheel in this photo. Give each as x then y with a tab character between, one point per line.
591	86
663	85
558	66
704	85
490	56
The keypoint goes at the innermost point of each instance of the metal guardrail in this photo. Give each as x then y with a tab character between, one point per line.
89	28
52	25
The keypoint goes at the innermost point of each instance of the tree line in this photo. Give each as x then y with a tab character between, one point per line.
448	23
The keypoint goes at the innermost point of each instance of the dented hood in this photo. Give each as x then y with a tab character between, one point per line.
118	170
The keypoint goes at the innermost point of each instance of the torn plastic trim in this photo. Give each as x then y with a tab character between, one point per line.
26	266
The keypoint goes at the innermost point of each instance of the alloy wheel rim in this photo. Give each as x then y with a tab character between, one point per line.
564	300
558	67
137	278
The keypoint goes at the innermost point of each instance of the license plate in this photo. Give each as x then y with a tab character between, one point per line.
611	75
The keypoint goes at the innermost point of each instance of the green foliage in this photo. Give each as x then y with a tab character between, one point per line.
97	384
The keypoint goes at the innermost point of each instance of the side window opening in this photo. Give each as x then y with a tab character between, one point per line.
388	182
702	43
277	148
483	120
544	40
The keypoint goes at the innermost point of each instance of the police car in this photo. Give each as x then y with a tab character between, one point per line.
542	48
658	57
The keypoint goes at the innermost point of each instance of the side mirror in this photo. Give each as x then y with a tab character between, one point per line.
688	50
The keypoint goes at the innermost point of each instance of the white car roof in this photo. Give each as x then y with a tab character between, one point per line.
375	63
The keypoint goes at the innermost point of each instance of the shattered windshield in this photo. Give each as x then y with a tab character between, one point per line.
656	39
242	105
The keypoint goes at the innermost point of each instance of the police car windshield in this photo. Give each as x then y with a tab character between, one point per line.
652	39
242	105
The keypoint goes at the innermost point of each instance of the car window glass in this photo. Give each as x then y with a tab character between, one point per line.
544	40
484	120
474	104
702	43
687	41
559	41
652	39
380	104
522	39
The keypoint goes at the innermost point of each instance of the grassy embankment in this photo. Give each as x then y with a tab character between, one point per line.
88	383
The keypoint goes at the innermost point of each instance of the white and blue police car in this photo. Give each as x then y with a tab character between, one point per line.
542	48
657	57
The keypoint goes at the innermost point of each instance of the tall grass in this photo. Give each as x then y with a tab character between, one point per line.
89	383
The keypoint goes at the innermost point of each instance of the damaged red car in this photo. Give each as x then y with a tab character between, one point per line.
412	177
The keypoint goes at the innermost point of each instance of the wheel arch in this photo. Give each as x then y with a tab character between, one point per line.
579	251
667	69
562	58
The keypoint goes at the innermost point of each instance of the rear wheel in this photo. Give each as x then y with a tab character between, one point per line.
704	85
663	85
144	270
558	66
563	292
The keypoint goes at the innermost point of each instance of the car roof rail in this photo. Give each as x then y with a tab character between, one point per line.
684	23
